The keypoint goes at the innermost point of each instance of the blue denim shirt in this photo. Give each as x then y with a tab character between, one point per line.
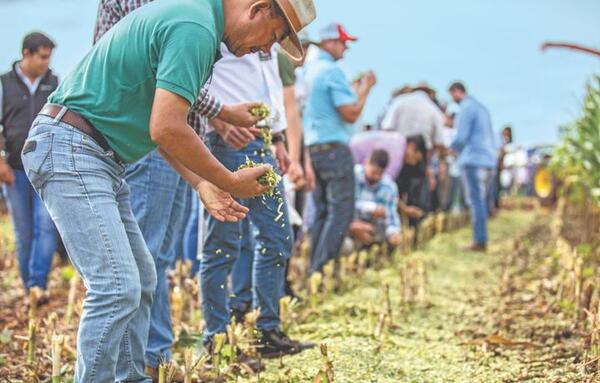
328	89
475	140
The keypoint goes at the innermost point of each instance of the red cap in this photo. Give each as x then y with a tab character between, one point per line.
336	31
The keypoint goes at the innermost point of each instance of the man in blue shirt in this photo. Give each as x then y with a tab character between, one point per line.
475	144
333	105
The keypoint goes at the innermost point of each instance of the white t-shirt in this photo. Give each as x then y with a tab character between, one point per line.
253	77
415	114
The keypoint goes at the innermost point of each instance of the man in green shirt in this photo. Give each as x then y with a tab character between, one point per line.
131	94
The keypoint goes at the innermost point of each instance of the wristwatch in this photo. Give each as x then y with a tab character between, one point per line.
278	137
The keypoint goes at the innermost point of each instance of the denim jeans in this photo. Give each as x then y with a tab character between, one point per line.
477	185
158	196
223	244
35	233
83	189
334	203
241	275
190	241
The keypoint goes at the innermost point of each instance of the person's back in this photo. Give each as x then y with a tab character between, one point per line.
117	98
478	135
322	121
415	114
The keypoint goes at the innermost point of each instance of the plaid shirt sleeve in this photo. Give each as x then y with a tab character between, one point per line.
390	199
111	11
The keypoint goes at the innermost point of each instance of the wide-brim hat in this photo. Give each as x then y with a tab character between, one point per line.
298	14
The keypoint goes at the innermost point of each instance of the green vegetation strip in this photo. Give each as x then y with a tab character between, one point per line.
427	342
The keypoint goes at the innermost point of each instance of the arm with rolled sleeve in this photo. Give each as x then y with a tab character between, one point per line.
393	224
463	128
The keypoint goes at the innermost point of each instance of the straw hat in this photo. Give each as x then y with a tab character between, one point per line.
298	14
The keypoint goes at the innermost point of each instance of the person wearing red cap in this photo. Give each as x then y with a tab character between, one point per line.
333	106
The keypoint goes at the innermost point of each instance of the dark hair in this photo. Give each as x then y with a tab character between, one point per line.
33	41
419	142
379	158
458	86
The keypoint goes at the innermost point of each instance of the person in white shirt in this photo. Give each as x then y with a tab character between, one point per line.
251	77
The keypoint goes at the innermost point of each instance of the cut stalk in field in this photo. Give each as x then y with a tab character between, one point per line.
188	360
57	345
31	335
73	282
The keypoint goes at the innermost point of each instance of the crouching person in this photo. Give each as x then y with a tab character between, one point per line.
376	210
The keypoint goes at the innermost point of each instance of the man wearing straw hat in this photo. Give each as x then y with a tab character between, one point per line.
131	94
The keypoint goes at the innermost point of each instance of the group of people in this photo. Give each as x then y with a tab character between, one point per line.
146	137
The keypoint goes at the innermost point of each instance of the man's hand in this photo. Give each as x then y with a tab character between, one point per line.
234	136
395	239
283	159
246	182
413	212
220	204
6	174
362	231
239	114
379	212
369	80
309	173
296	175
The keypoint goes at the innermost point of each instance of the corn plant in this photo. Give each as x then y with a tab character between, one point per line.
316	279
578	156
328	276
218	342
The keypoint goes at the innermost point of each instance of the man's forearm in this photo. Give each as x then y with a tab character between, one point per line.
189	176
294	129
182	144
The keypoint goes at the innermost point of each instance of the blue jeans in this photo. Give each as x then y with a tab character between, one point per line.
35	233
477	185
334	203
190	241
223	244
158	196
83	189
241	276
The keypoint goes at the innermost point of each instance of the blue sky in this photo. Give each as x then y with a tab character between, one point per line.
492	45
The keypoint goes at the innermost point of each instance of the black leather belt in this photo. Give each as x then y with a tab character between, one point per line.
81	124
324	147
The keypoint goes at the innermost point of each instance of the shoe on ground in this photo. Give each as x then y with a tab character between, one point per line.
275	343
253	364
476	248
177	375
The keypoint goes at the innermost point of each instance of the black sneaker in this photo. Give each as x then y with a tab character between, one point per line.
275	343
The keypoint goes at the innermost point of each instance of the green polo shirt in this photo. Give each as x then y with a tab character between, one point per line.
166	44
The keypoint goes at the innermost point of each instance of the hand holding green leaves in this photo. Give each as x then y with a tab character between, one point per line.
270	179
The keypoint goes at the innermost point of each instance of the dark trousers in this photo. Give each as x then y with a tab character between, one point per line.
334	203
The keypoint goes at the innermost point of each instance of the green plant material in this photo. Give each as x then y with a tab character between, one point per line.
270	178
67	273
363	259
261	111
266	134
188	362
388	302
218	342
6	336
31	344
57	345
577	158
315	281
162	372
328	276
